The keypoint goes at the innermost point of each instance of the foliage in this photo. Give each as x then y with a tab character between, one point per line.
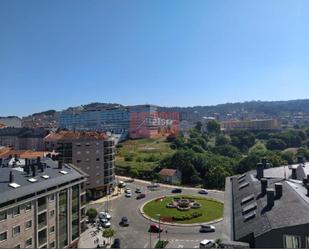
182	217
213	126
92	213
243	140
222	140
275	144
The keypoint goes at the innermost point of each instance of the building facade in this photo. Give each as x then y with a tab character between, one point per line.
92	152
14	122
42	204
23	138
259	124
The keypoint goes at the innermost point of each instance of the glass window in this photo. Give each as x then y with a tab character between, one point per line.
3	215
52	244
28	242
52	197
52	213
291	241
3	236
52	229
16	247
28	224
63	213
42	235
16	230
16	211
28	206
42	220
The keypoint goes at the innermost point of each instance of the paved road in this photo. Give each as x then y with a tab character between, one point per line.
136	235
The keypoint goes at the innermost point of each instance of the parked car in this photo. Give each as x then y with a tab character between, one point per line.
122	184
205	244
203	192
177	190
140	196
105	223
138	191
207	228
105	215
128	190
154	228
128	194
116	243
124	222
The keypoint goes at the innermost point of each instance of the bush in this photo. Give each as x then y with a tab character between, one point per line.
92	214
183	217
129	157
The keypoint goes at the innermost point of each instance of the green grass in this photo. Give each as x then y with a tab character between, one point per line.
145	153
211	209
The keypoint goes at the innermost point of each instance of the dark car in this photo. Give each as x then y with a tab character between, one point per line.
138	191
124	222
116	243
155	228
140	196
177	190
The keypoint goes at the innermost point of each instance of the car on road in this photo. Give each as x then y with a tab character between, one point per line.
124	222
203	192
176	190
207	228
128	194
122	184
128	190
105	223
205	244
105	215
140	196
153	185
154	228
138	191
116	243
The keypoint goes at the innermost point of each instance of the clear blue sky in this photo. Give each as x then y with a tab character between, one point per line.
56	54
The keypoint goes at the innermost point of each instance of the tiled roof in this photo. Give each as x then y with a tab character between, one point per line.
70	135
168	172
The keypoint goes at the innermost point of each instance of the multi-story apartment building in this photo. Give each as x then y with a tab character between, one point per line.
11	121
42	204
258	124
23	138
93	152
268	208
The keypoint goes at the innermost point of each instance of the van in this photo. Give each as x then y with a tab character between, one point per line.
206	244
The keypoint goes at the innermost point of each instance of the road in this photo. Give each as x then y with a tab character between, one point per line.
136	235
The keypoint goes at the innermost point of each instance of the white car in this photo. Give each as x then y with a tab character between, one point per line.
128	194
105	215
207	228
128	190
203	192
105	223
204	244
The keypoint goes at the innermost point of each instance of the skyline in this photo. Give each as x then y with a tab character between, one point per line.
177	53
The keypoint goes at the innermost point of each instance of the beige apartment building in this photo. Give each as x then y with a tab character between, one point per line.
257	124
92	152
42	204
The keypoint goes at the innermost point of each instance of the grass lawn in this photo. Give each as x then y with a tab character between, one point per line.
144	154
210	209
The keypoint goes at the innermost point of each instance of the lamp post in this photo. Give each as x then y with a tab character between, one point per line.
159	227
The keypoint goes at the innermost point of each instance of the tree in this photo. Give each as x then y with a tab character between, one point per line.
108	233
216	177
92	214
288	157
243	140
227	150
222	140
199	126
275	144
213	127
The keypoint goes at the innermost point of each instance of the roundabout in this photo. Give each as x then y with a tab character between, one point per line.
183	210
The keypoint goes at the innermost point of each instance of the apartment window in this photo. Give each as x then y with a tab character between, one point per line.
51	213
28	207
291	241
42	235
52	245
98	159
52	229
78	145
28	242
42	204
28	224
52	197
16	230
16	211
3	216
17	247
42	220
87	144
3	236
78	161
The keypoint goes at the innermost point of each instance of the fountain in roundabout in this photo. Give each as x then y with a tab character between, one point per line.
183	204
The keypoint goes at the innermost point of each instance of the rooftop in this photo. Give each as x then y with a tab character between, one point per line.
168	172
23	132
70	135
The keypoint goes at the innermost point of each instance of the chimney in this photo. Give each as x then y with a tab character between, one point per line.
27	167
270	197
11	177
278	190
259	171
294	174
33	169
263	186
59	165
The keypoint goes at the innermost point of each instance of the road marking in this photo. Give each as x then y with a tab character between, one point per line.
180	246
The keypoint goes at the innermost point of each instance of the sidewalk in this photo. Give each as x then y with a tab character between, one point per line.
116	194
89	238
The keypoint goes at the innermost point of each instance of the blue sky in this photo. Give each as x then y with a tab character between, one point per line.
56	54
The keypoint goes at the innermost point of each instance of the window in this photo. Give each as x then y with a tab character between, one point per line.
291	241
28	207
52	244
3	236
52	229
16	230
17	247
51	213
3	216
98	159
28	224
28	242
16	211
78	161
52	197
